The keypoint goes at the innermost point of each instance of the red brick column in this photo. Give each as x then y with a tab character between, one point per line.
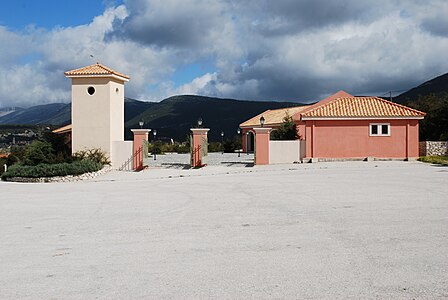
198	134
262	137
140	135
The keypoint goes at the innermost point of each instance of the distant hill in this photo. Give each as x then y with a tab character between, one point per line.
437	86
7	110
60	113
54	113
430	97
174	116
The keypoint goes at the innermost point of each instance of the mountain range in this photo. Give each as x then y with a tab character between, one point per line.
174	116
437	86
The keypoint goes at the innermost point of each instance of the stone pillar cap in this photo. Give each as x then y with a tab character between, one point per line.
140	131
200	130
262	129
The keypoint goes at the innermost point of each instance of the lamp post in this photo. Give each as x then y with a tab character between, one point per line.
238	131
141	123
154	149
262	121
222	141
199	122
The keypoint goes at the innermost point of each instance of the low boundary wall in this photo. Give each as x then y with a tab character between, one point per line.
286	152
121	152
432	148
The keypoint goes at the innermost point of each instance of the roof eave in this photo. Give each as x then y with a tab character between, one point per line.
126	79
364	118
258	125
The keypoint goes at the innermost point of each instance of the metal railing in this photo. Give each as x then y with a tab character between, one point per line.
128	165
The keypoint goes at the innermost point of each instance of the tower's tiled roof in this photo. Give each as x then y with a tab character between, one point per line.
361	107
95	69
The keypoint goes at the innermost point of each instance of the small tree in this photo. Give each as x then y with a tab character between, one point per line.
287	131
39	152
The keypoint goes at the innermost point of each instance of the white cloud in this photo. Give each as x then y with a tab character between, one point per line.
260	49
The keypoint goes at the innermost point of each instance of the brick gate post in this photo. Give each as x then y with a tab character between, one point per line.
196	155
262	137
140	135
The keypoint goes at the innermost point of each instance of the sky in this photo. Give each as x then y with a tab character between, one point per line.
283	50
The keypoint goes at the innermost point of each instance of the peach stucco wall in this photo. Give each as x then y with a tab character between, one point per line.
98	119
351	139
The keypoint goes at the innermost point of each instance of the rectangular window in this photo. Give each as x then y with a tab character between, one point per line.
380	129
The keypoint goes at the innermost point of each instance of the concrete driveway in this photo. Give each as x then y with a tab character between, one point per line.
352	230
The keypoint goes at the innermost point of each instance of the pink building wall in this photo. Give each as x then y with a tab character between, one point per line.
351	139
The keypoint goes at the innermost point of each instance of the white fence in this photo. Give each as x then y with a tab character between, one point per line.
286	152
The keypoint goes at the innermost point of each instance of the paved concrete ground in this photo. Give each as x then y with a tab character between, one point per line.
352	230
182	161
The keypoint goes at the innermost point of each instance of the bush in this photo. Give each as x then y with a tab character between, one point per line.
51	170
441	160
95	155
38	152
2	162
215	147
160	148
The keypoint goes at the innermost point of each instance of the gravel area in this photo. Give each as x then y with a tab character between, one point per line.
341	230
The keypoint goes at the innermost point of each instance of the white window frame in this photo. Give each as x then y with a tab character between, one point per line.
379	129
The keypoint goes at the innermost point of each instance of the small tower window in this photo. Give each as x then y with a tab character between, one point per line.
91	90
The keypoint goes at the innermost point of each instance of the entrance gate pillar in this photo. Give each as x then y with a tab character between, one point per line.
199	147
140	135
262	137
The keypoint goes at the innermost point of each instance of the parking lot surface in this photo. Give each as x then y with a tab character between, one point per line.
341	230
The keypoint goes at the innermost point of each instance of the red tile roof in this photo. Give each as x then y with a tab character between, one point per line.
273	117
95	69
360	107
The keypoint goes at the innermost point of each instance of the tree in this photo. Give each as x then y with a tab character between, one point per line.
434	127
39	152
287	131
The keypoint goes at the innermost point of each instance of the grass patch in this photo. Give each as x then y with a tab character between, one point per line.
51	170
440	160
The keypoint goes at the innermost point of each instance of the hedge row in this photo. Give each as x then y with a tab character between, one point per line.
441	160
51	170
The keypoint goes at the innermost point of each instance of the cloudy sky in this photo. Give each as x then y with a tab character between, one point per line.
295	50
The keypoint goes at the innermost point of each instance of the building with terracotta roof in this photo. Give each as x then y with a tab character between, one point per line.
343	126
98	112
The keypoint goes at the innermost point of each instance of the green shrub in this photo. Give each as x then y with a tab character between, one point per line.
441	160
215	147
95	155
18	152
160	148
51	170
182	148
38	152
2	162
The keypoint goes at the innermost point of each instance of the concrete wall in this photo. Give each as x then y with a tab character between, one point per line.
116	111
351	139
430	148
286	152
97	119
121	152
